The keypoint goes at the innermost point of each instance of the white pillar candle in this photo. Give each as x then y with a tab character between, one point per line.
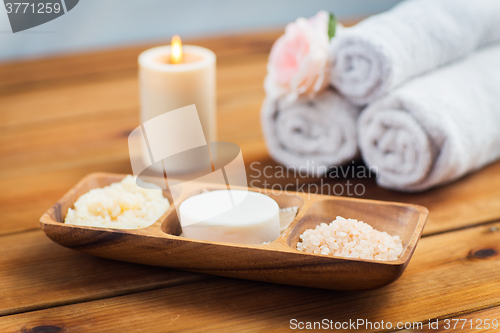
165	86
214	216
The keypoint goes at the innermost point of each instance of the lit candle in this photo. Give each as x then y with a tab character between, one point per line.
174	76
176	55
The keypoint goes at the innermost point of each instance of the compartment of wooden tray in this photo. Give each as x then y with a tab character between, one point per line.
278	262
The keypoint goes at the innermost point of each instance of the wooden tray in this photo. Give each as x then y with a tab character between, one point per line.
278	262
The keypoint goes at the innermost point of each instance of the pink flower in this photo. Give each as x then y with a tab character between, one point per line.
298	62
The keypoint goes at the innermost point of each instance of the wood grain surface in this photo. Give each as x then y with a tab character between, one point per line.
480	321
62	118
451	273
37	273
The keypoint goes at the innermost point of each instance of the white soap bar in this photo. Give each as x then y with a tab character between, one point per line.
230	216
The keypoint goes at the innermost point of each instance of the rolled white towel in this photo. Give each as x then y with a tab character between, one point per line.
437	127
380	53
311	135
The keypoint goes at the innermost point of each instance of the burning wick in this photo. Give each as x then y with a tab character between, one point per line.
176	53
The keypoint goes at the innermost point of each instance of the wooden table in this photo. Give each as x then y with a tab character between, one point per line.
62	118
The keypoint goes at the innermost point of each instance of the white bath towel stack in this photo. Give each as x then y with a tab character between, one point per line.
384	51
432	102
311	134
437	127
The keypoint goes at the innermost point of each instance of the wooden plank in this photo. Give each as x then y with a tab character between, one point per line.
237	84
51	104
37	273
26	198
71	148
450	274
40	163
28	194
472	200
94	65
34	74
79	123
85	129
487	320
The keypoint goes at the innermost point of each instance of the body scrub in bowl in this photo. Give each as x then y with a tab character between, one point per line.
351	239
122	205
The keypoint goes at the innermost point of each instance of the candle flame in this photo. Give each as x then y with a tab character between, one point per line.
176	51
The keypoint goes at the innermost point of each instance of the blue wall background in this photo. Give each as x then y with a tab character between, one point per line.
97	24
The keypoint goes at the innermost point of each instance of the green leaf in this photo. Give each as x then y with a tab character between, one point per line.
332	25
